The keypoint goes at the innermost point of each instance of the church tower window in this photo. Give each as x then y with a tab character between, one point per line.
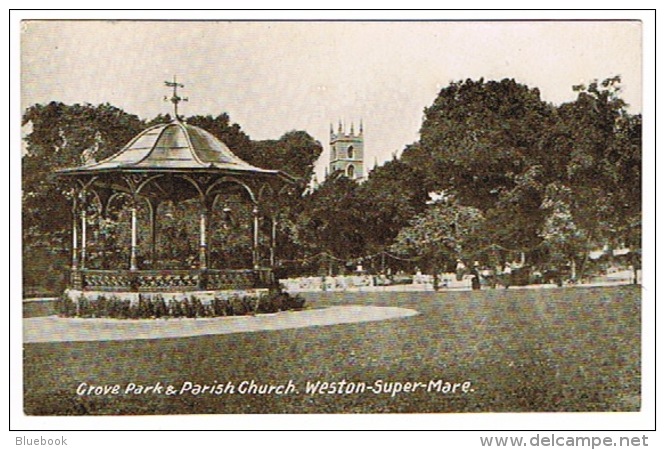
349	152
351	171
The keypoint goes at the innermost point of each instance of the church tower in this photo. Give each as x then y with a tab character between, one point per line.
347	152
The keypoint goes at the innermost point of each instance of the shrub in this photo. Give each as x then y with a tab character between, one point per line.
101	307
219	307
146	308
238	306
155	307
130	311
66	307
175	308
187	309
296	302
197	307
160	308
281	301
83	307
272	303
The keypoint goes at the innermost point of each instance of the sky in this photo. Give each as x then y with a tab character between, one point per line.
273	77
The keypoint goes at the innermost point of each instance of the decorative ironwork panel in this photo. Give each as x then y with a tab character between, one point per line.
75	279
168	281
105	280
230	279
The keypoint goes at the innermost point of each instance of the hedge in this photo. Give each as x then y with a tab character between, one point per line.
154	307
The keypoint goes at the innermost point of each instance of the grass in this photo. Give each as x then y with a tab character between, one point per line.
571	349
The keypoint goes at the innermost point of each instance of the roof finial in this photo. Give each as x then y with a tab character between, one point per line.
360	131
175	99
351	129
339	127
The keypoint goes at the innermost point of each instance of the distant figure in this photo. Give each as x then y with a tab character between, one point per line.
475	276
507	274
537	276
459	270
418	278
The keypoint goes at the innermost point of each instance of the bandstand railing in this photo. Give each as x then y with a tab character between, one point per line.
169	280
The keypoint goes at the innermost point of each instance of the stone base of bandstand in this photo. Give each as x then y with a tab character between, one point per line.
204	296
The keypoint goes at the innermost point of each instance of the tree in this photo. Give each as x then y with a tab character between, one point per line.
498	147
562	237
330	220
295	153
446	231
65	136
589	178
60	136
603	169
481	141
392	195
479	136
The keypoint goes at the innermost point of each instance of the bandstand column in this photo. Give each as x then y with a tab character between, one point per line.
75	244
153	232
255	246
84	226
132	255
273	240
203	247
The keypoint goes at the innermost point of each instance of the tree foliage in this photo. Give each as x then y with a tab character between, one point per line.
443	233
295	153
604	168
330	220
498	147
392	195
229	133
478	136
65	136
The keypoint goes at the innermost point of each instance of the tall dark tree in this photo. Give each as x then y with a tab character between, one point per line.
392	195
60	136
445	231
295	153
481	141
330	220
65	136
479	136
602	170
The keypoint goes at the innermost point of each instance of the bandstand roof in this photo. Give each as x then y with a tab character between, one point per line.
174	147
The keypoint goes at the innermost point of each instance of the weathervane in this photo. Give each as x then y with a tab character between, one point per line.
175	99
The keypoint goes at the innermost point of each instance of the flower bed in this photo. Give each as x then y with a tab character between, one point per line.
156	306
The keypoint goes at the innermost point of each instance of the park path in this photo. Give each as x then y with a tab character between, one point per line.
61	329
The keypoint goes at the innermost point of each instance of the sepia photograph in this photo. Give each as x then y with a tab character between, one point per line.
331	217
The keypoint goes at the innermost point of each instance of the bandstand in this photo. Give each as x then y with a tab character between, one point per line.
172	162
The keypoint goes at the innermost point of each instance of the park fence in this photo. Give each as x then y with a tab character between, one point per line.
444	281
370	283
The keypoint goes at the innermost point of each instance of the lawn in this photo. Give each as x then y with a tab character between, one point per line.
568	349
